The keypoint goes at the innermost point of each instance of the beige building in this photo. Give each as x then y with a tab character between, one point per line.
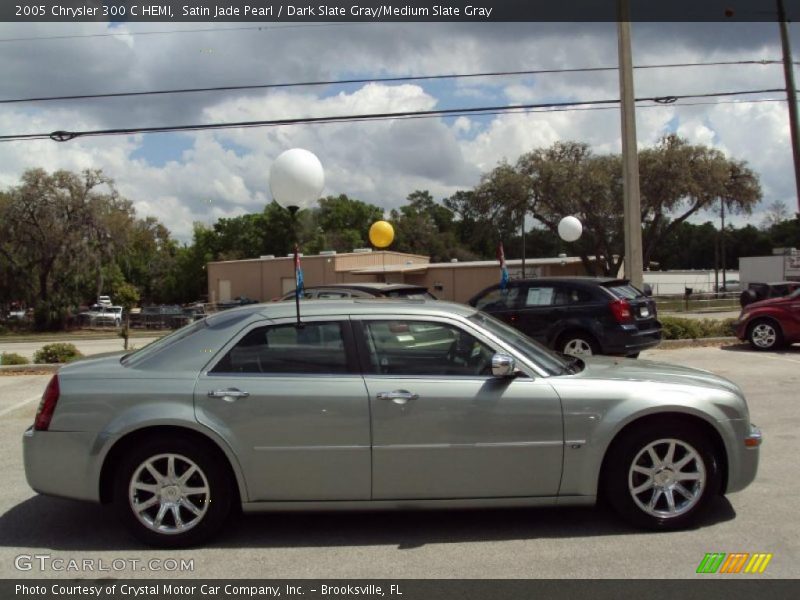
268	277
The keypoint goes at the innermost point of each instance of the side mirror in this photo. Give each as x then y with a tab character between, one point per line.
648	290
502	365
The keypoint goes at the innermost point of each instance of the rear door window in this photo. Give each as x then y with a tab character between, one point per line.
540	295
317	347
498	299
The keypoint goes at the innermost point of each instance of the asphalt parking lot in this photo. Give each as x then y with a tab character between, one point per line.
529	543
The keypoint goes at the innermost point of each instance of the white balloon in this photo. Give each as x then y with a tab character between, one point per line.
569	229
296	178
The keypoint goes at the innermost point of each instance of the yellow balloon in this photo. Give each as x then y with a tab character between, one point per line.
381	234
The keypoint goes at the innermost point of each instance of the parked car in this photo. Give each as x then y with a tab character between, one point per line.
771	324
764	291
99	314
372	404
238	301
576	315
160	316
363	290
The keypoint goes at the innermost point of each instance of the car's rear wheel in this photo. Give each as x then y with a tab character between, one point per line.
764	335
662	477
577	344
173	493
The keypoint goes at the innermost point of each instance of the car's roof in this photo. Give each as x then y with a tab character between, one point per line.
360	306
575	278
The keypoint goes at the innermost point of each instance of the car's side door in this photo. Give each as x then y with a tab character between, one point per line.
539	310
443	426
292	405
502	303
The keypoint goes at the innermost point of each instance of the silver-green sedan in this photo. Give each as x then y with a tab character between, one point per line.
372	404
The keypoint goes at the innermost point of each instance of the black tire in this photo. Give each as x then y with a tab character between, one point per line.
212	474
577	339
764	334
620	480
633	355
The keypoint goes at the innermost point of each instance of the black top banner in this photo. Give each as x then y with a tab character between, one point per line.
390	11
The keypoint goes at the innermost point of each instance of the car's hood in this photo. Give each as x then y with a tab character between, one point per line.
628	369
767	302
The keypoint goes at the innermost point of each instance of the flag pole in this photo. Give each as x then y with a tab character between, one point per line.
298	283
298	272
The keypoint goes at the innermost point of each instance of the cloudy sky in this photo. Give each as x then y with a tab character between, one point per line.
185	177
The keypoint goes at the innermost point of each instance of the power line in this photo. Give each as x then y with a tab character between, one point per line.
46	38
63	136
378	80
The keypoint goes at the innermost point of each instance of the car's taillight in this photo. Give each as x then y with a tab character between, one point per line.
47	406
621	309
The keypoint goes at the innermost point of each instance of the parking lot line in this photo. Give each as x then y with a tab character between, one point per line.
797	362
11	409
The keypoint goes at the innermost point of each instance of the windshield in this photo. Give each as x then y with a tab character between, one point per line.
546	359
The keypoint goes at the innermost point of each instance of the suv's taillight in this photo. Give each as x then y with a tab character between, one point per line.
47	406
621	309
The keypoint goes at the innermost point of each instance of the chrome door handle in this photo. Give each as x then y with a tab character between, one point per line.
228	395
398	396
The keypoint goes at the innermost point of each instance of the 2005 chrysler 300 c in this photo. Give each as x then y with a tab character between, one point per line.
380	404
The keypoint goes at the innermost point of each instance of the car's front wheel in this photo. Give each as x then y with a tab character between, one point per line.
662	476
764	335
173	493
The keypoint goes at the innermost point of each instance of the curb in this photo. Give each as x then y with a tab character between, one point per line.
24	369
697	342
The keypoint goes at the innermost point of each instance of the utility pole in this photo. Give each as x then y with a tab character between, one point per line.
630	157
722	243
522	227
791	95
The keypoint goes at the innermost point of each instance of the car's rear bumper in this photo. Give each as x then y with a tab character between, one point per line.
628	339
62	463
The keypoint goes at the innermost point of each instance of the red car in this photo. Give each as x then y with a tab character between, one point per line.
772	323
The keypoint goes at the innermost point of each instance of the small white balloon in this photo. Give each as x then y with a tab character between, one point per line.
296	178
569	229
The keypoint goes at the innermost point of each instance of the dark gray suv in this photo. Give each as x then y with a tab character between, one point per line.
577	315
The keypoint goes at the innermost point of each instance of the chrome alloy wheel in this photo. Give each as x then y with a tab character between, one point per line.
169	494
667	478
577	347
764	335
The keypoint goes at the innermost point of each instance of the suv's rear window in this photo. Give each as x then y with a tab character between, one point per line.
625	291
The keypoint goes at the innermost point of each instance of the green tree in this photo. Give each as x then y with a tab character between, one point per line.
424	226
678	180
343	223
57	231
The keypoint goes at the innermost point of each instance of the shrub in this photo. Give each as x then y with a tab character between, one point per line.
56	353
12	358
677	328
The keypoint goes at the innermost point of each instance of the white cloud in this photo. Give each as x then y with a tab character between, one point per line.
224	173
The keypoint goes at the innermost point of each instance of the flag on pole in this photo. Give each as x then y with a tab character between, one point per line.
501	257
298	273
